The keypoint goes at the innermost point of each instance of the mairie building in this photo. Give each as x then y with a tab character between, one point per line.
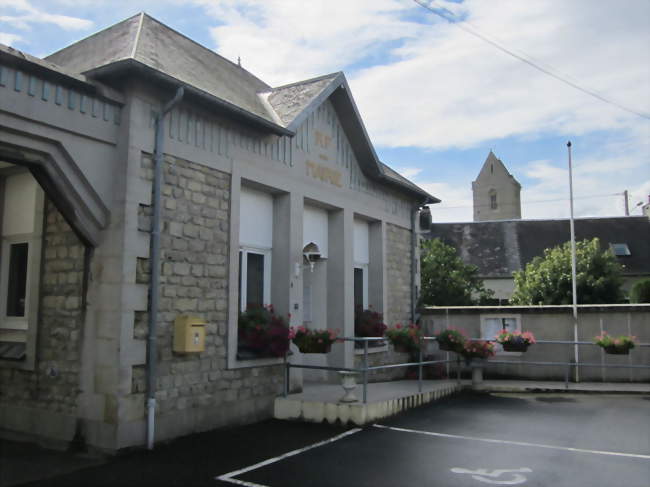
266	196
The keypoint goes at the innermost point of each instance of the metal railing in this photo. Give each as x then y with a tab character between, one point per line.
568	365
365	369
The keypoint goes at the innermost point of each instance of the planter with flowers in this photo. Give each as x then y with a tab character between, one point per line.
404	338
262	333
312	341
451	340
368	323
515	341
477	349
620	345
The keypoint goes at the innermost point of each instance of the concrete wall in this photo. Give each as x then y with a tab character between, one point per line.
556	323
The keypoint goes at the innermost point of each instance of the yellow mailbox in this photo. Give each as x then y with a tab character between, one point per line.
189	334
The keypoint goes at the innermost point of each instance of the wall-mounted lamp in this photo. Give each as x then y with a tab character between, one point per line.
311	254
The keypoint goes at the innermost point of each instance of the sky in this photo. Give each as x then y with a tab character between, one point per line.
434	98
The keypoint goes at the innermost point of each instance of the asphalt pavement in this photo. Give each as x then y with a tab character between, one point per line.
470	439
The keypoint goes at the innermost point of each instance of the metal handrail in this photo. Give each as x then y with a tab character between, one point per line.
420	363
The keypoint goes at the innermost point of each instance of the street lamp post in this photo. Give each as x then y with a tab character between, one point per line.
573	267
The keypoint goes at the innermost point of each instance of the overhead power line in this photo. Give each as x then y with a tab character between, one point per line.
466	26
531	202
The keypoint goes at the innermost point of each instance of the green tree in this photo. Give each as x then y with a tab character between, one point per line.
640	292
547	280
446	279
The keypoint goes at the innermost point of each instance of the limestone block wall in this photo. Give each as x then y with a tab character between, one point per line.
196	391
398	275
53	385
398	301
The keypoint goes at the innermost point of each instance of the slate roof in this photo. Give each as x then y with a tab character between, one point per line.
289	101
147	41
498	248
143	43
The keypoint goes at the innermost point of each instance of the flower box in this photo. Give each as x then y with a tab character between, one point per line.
617	350
515	347
515	341
620	345
451	340
312	341
477	349
262	333
404	339
315	347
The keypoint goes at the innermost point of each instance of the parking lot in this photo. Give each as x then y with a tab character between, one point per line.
466	440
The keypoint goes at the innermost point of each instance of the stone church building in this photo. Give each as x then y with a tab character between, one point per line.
267	195
496	193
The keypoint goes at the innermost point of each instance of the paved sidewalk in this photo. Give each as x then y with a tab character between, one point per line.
557	386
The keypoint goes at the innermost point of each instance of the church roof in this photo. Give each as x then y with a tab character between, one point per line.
490	163
498	248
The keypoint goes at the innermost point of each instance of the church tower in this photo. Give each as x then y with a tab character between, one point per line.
496	192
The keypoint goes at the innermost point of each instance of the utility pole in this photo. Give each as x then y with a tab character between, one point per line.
626	198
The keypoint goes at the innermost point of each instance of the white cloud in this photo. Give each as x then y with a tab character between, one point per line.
442	87
26	14
598	182
9	39
456	204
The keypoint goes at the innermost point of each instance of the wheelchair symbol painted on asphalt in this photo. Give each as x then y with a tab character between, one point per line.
487	476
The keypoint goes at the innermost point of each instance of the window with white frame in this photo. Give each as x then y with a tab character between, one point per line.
255	248
361	252
492	325
21	200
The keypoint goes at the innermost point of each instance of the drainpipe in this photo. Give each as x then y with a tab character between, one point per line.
154	282
414	243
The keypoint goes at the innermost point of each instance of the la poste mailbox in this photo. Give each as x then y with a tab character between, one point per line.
189	334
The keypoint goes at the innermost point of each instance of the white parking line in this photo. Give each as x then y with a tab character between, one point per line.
228	477
518	443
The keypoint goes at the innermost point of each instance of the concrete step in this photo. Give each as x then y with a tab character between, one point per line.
320	402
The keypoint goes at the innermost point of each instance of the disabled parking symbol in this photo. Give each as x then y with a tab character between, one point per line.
511	476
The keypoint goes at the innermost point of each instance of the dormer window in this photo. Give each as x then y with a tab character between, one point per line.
620	249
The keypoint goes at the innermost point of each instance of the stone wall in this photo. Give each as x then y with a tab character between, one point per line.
54	383
196	391
398	275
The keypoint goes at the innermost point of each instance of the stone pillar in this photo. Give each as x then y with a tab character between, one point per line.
340	284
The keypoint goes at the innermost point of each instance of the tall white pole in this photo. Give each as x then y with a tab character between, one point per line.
574	293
